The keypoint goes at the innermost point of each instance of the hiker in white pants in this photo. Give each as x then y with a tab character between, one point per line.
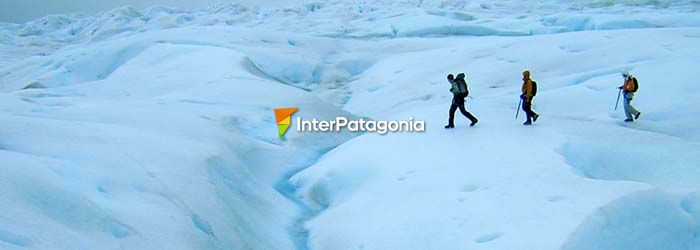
629	88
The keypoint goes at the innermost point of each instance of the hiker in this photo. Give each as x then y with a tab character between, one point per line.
529	90
459	92
629	88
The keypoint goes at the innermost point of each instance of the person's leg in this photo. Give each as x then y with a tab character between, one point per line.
629	110
527	107
451	121
463	108
461	103
533	114
628	106
468	115
457	102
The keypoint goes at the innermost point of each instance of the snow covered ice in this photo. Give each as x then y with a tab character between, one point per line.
154	128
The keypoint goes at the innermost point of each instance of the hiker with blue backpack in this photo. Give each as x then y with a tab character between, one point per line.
459	92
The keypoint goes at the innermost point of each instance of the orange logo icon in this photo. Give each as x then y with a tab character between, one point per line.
284	120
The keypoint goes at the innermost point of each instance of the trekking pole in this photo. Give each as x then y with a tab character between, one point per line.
618	98
517	111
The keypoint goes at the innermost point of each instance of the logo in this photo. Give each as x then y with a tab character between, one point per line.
381	127
284	120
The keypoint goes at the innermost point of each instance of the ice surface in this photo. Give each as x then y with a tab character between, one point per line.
154	128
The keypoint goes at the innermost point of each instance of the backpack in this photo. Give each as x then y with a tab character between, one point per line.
462	85
534	88
636	85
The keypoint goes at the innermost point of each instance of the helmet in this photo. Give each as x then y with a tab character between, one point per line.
625	73
450	77
526	73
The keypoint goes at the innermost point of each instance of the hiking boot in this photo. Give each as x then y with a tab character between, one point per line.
534	118
473	123
527	123
449	126
637	115
628	120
